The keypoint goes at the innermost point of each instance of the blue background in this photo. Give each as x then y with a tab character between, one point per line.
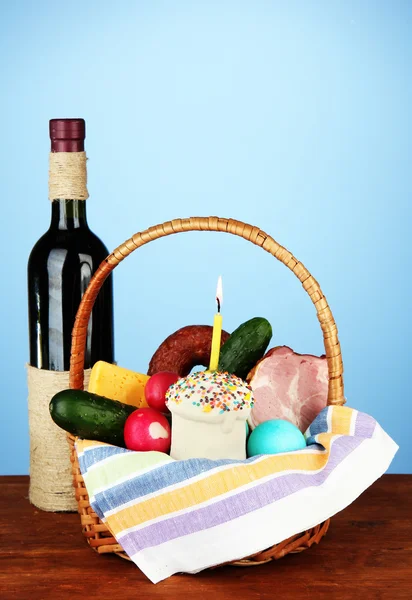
293	116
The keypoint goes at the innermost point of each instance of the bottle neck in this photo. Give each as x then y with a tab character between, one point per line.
68	215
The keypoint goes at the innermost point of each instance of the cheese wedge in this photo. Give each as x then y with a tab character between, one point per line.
118	383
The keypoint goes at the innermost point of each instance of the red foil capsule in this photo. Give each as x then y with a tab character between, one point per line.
67	135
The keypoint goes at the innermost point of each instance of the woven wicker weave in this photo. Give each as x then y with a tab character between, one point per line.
96	532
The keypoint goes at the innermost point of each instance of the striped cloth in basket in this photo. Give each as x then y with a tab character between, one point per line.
184	516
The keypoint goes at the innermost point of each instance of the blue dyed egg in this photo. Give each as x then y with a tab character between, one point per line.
272	437
247	429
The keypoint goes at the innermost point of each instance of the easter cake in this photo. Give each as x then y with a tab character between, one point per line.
209	411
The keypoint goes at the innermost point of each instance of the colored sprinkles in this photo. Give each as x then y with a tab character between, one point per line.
212	391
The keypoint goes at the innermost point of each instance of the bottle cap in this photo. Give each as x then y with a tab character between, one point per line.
67	135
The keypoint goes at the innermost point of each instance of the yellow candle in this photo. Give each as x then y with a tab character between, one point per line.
217	330
217	334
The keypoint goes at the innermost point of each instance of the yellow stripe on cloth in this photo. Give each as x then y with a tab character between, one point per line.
342	419
212	486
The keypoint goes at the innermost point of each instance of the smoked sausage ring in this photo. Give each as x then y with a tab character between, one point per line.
186	348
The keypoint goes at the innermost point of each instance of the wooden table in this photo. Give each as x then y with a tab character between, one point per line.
366	554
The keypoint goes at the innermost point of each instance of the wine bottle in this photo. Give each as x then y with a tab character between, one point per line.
60	267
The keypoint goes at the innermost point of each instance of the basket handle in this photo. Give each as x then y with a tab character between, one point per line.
248	232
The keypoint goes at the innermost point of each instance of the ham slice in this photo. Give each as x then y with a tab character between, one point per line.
290	386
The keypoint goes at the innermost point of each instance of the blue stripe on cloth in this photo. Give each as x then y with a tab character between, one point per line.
320	424
238	505
158	479
95	455
97	510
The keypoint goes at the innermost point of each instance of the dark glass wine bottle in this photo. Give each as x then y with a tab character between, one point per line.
61	265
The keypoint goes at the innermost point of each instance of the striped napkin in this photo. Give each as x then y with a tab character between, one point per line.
184	516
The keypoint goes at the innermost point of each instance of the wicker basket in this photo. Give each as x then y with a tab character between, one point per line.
96	532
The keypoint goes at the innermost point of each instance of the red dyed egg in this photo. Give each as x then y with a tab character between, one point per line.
147	429
156	388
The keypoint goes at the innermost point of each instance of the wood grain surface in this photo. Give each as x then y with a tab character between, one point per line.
367	554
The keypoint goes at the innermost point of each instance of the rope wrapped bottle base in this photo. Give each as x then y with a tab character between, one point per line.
51	480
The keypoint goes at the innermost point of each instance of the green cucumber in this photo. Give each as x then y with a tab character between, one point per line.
247	344
90	416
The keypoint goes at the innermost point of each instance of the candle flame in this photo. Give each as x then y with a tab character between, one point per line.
219	293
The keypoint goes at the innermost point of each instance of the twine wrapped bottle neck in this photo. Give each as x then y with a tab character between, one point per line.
67	176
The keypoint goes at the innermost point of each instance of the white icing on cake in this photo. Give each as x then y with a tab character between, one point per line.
209	410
